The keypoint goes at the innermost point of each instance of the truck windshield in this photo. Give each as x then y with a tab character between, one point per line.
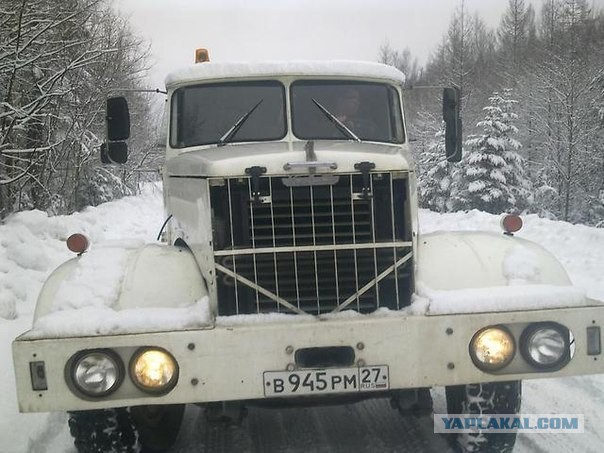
371	111
228	112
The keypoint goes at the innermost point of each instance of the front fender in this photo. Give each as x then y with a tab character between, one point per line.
148	280
461	260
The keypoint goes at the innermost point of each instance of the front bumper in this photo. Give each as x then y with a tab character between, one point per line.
227	363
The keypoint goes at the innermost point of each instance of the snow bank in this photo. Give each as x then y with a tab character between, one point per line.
32	244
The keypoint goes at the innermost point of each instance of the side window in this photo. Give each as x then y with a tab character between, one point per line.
396	117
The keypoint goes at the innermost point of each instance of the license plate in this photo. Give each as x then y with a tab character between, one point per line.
329	380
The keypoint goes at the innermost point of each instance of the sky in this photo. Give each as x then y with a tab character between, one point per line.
244	30
236	30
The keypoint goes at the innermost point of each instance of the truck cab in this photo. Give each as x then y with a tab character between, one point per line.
297	210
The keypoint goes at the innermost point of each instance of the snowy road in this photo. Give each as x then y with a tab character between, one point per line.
371	426
31	245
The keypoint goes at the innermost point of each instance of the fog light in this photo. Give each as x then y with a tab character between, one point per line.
546	345
492	348
97	373
154	370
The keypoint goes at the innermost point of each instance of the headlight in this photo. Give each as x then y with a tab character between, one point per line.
492	348
546	345
96	373
154	370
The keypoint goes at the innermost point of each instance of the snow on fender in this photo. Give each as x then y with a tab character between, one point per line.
123	287
468	272
472	259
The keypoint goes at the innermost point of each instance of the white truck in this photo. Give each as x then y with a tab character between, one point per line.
292	268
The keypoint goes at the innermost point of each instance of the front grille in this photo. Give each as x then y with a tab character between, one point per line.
297	246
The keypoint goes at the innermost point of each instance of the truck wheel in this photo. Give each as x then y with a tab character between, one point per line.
478	399
106	430
146	429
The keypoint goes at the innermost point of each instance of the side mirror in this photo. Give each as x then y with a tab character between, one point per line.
118	119
114	153
452	119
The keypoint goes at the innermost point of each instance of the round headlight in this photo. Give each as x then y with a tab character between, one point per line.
154	370
97	373
492	348
546	345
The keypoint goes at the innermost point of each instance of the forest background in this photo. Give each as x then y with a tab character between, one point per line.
532	106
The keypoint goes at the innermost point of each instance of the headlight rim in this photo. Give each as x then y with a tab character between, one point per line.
487	368
75	359
530	330
150	390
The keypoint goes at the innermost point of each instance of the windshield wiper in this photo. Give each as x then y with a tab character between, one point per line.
235	127
341	126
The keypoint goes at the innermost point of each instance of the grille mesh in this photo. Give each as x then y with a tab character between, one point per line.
314	246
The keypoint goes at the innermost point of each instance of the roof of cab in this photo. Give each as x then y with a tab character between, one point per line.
202	72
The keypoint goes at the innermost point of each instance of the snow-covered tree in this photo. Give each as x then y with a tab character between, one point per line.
515	33
492	176
552	54
58	63
434	181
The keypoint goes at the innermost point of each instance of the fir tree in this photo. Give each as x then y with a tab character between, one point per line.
434	182
492	176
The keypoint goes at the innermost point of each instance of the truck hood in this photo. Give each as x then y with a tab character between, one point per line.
233	159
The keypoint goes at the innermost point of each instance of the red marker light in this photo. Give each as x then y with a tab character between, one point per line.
511	223
77	243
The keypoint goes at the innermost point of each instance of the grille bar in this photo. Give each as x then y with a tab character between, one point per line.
270	182
253	234
335	257
356	263
393	236
232	242
310	248
291	202
314	243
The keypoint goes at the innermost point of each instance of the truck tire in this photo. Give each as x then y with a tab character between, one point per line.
145	429
105	430
479	399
